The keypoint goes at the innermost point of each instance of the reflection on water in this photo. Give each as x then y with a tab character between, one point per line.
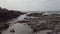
19	29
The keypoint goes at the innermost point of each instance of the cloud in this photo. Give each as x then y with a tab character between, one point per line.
32	5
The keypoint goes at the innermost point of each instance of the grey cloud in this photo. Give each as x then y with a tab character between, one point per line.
32	5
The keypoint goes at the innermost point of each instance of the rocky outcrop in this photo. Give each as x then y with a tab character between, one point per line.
43	22
38	22
3	26
35	14
6	15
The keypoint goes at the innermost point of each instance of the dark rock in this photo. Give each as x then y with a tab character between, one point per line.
6	14
29	24
49	33
6	26
22	21
35	14
0	32
34	30
3	26
12	31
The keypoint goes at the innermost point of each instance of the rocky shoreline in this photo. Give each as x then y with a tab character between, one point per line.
6	16
37	21
44	22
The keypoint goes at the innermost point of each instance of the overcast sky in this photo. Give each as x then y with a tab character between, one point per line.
31	5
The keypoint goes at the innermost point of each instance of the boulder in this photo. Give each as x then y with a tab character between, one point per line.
12	31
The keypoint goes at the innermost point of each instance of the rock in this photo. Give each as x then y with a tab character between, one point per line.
6	26
23	21
12	31
6	15
49	33
0	32
35	14
35	30
3	26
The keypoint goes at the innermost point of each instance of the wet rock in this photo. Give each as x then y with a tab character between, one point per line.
22	21
35	14
49	33
0	32
6	14
35	30
12	31
6	26
56	28
3	26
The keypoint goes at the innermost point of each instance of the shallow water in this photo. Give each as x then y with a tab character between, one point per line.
21	28
18	27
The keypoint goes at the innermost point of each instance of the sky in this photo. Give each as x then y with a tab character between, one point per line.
31	5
